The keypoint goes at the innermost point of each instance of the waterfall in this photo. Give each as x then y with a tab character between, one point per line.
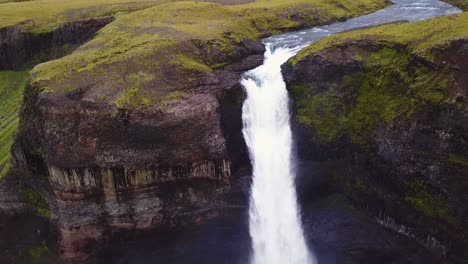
274	224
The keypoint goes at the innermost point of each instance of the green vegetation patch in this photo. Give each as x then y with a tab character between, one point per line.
46	15
12	85
172	97
395	80
424	201
35	200
35	254
458	160
132	95
420	38
390	85
174	40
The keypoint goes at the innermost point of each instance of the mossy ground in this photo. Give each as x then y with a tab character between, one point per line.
419	38
426	202
394	82
419	197
162	41
34	254
35	200
45	15
12	85
391	85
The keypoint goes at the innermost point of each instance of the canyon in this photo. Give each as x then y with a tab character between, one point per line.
133	123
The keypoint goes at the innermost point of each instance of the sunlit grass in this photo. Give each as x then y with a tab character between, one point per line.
402	86
420	37
45	15
148	40
11	94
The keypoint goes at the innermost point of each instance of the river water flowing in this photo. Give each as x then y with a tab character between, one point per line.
274	215
275	225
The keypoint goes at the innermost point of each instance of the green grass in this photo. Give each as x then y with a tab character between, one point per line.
36	201
160	40
45	15
420	38
391	85
431	205
12	85
34	254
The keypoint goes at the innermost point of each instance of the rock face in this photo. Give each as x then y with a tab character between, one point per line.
109	168
396	123
19	50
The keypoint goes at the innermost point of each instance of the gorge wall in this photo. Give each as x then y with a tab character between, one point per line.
105	168
20	49
387	109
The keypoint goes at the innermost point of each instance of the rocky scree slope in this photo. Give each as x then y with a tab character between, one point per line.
140	128
389	104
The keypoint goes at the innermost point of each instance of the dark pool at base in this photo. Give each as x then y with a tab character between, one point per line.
335	237
337	234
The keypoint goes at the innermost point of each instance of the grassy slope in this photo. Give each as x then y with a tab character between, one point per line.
391	84
45	15
419	37
11	92
133	51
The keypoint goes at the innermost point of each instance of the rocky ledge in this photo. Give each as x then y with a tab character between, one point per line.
20	49
387	107
102	168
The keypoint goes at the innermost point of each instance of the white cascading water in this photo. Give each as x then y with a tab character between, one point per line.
274	224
